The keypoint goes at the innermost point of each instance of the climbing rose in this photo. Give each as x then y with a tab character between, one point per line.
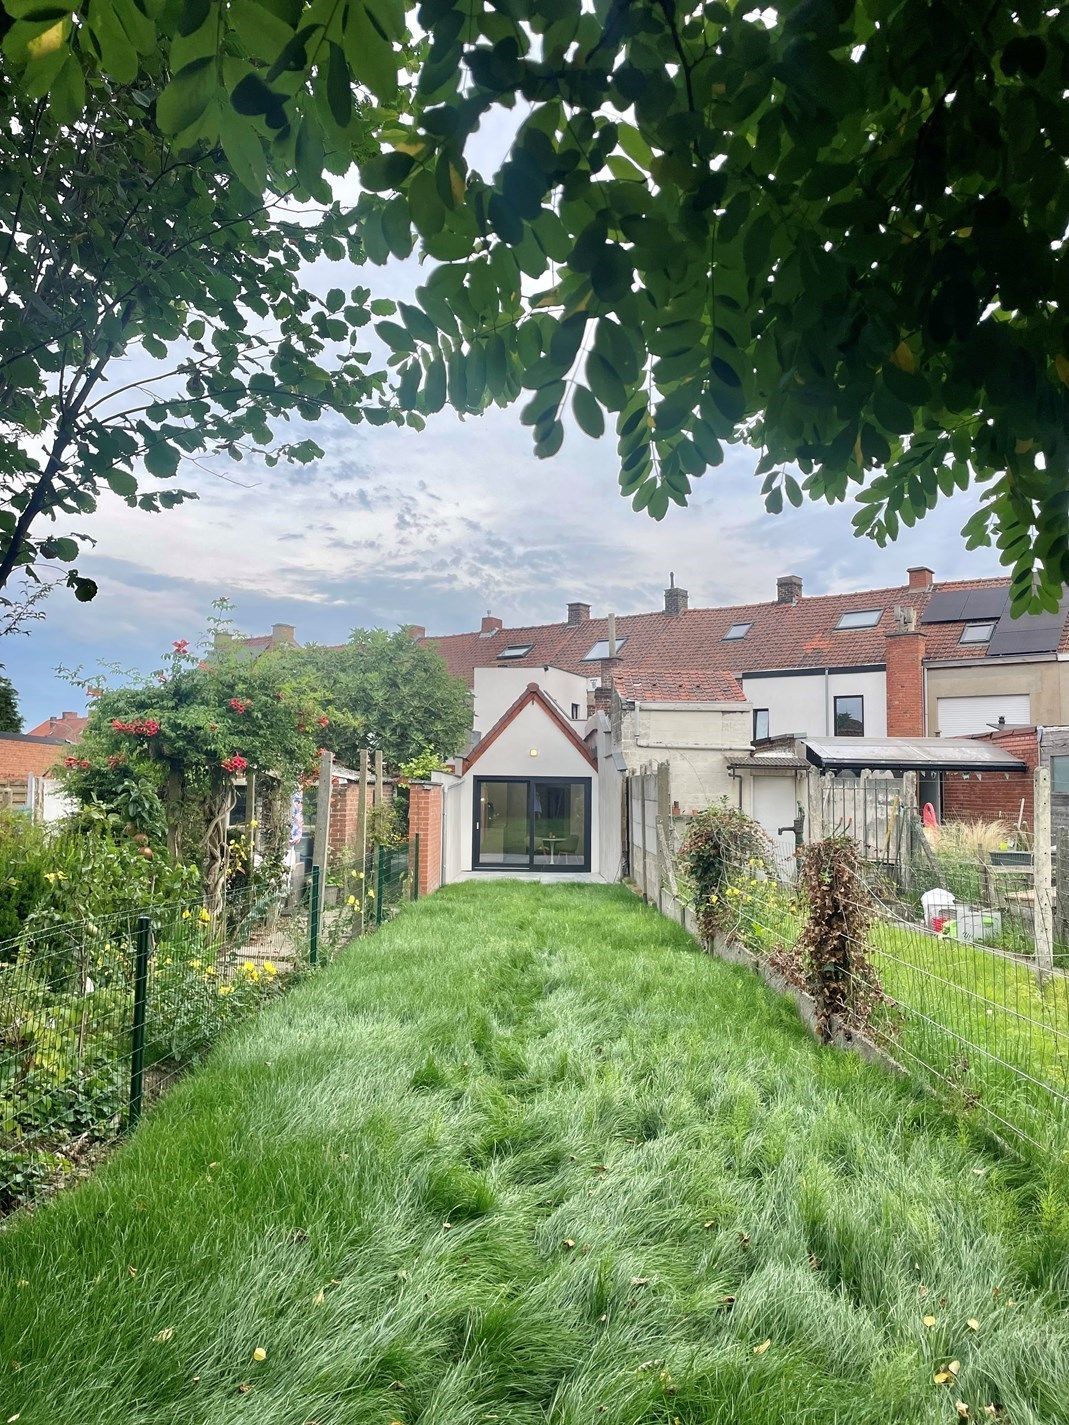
181	645
234	764
239	705
323	721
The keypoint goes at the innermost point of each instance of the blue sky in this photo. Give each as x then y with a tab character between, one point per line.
436	528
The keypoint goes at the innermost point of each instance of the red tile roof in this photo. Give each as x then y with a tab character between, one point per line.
798	635
67	727
682	685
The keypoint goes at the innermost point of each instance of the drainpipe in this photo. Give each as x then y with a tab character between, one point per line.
829	726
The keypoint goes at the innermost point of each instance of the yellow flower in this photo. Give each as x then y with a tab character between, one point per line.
209	971
194	964
270	968
248	967
350	900
226	989
254	822
205	915
187	915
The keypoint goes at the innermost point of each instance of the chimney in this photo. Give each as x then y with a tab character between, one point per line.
283	633
608	664
904	673
675	599
578	613
603	698
920	577
415	630
788	588
490	625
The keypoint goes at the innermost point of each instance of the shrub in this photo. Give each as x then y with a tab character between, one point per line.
723	850
832	945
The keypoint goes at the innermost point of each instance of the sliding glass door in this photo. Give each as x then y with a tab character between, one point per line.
531	824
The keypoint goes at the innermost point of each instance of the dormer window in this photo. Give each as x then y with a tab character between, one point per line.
738	630
860	618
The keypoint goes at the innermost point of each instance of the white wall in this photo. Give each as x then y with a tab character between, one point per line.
772	798
496	689
805	703
510	756
695	739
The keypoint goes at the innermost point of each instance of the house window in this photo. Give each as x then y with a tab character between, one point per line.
516	650
601	650
860	618
760	724
738	630
575	712
850	717
977	632
1059	775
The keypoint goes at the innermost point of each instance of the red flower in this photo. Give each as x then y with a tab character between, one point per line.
70	761
323	721
84	765
116	759
234	764
240	705
181	645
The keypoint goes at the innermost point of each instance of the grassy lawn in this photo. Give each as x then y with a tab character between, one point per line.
525	1156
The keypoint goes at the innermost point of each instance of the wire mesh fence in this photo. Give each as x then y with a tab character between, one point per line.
972	990
97	1017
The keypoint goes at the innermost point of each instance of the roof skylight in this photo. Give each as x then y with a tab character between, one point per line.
977	632
601	649
738	630
516	650
860	618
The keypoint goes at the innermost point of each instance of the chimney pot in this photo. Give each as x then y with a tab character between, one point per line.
920	577
788	588
578	613
490	624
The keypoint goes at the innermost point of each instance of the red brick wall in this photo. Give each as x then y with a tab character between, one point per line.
19	757
905	685
995	796
425	821
345	810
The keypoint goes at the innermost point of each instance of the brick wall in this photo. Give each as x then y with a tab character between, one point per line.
345	810
425	821
995	796
21	756
905	684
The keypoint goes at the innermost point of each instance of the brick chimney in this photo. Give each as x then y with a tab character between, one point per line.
920	577
675	599
788	588
490	624
415	630
904	659
283	633
578	613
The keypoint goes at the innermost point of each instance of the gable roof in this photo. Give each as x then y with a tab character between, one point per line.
66	727
780	636
532	694
681	685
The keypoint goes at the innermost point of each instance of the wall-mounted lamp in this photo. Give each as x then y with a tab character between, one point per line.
534	751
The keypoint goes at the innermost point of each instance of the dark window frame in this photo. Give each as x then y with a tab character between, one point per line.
575	712
476	797
848	698
767	733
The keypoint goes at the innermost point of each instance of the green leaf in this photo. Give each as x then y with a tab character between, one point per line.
339	86
386	171
604	382
187	96
244	151
395	336
122	482
309	158
161	459
588	414
371	57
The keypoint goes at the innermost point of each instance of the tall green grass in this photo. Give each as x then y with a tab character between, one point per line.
527	1156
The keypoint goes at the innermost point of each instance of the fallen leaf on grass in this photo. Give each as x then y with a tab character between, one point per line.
928	1321
10	1418
244	1388
962	1409
131	1271
640	1281
568	1244
727	1302
259	1354
948	1373
973	1324
760	1350
707	1225
165	1334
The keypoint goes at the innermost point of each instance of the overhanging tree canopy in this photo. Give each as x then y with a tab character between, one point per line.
833	229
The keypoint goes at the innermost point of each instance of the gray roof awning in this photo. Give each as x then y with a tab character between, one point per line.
910	754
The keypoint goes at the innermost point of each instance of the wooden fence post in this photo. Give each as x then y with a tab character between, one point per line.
1043	904
1061	886
361	835
320	840
645	863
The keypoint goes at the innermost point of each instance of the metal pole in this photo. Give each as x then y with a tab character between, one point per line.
313	916
1043	893
142	948
378	884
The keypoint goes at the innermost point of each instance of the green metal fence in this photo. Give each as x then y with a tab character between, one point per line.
97	1017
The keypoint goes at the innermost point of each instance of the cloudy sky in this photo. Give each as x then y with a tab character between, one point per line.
437	528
